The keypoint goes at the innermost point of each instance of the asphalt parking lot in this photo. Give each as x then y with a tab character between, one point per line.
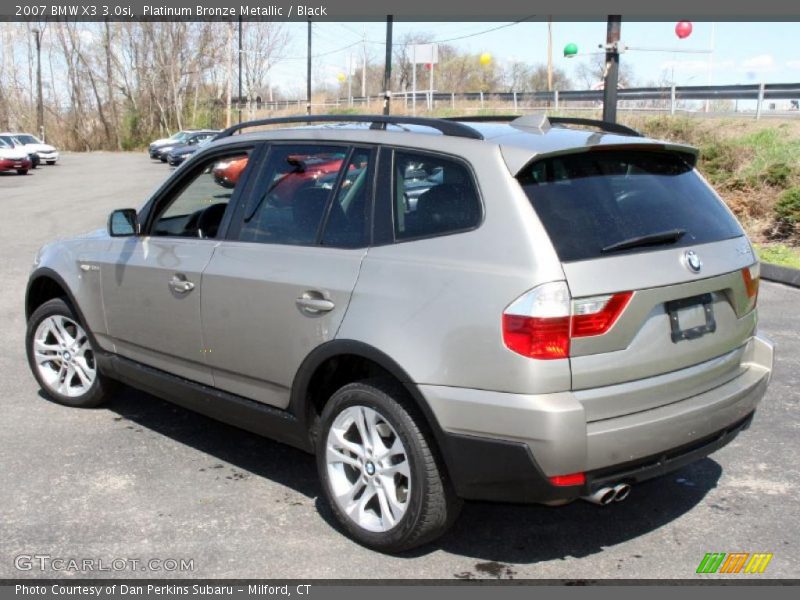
142	479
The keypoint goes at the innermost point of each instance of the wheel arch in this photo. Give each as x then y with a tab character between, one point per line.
45	284
304	404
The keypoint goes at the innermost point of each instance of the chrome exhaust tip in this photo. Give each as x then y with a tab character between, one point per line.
621	492
602	496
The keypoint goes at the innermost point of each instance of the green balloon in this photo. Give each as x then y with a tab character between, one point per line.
570	50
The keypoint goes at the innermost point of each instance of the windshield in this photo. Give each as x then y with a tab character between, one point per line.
28	139
3	144
624	200
10	141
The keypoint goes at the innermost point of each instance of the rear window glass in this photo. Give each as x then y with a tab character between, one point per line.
597	204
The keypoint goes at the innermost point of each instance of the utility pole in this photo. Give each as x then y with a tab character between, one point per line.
550	54
39	105
239	100
308	72
350	79
229	83
387	70
364	67
611	77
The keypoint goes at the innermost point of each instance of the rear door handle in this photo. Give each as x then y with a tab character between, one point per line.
315	303
179	284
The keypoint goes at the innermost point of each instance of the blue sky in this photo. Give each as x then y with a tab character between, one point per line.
743	52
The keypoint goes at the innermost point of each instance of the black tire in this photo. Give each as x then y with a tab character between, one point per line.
22	171
51	162
432	504
102	387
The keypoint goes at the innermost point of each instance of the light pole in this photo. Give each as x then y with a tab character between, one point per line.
611	78
239	100
39	105
308	72
387	70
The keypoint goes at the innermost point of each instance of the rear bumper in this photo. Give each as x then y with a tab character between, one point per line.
527	438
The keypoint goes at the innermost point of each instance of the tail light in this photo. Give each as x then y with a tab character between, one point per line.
751	276
540	323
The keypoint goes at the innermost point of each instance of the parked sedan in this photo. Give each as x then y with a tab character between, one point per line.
176	155
13	158
160	148
43	152
14	142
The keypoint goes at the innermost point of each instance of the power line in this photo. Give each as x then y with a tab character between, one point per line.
441	41
466	36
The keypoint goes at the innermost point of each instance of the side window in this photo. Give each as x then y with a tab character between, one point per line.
432	196
347	225
196	210
296	185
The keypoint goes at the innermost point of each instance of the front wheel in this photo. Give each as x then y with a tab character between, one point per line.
379	472
62	358
22	171
51	162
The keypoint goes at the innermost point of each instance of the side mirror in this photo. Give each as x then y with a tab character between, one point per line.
123	223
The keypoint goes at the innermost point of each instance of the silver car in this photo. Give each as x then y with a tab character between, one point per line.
565	310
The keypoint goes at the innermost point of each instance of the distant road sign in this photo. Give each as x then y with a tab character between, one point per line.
424	53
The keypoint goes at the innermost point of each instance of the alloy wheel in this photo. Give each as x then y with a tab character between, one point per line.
64	356
368	469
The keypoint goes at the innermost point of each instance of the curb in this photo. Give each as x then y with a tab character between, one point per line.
779	274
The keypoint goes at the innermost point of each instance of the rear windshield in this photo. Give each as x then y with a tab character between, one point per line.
599	203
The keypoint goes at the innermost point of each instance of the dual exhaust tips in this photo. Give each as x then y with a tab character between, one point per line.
607	495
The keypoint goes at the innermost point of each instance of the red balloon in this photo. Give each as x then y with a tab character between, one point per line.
683	29
428	66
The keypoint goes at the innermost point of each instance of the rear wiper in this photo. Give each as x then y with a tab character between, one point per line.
652	239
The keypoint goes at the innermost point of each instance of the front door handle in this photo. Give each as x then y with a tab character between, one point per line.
315	303
179	284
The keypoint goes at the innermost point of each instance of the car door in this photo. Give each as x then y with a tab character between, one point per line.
280	284
151	282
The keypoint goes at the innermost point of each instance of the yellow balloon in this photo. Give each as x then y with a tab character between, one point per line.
341	77
485	58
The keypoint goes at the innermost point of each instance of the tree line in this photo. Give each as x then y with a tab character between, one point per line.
117	85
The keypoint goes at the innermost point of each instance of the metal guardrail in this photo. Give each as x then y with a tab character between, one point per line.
759	92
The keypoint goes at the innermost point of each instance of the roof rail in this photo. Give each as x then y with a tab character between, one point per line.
602	125
446	127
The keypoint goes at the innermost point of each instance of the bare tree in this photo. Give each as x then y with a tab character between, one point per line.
264	44
590	72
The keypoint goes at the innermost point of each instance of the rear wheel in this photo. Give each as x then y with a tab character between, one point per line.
62	358
51	162
379	472
22	171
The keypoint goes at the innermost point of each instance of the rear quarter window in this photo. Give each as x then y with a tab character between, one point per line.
433	196
590	201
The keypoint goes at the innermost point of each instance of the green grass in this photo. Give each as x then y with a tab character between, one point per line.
774	150
779	254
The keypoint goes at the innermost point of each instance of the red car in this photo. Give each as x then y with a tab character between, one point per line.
227	173
12	159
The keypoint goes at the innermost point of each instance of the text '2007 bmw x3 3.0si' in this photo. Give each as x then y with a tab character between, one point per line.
527	311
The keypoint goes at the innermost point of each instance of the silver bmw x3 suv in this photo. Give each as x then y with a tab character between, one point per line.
528	310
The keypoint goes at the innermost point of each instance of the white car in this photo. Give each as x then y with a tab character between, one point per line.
34	145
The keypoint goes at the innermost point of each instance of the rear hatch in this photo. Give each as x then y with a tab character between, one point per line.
638	231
